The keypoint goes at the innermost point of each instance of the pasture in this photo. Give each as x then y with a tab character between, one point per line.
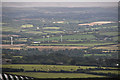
109	33
51	27
45	67
67	37
53	31
107	71
27	26
80	44
110	47
97	54
57	47
56	75
31	67
7	29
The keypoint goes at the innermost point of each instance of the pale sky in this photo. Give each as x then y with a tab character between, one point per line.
60	0
60	4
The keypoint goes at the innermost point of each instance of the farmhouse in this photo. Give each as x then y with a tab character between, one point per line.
36	42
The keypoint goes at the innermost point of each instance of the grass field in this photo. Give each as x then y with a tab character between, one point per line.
110	47
67	37
106	71
18	56
82	44
34	32
115	38
109	33
57	47
53	31
45	67
27	26
51	27
48	67
55	75
10	29
97	54
32	67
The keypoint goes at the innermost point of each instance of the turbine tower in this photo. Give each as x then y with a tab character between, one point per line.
48	38
61	38
43	38
11	40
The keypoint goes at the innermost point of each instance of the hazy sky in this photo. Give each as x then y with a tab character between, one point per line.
60	0
60	4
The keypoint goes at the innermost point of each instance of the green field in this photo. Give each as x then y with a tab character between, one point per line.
97	54
34	32
51	27
48	67
115	38
103	27
109	33
32	67
106	71
10	29
82	44
27	26
53	31
55	75
18	56
67	37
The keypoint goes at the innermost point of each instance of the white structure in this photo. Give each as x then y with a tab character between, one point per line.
43	38
48	38
11	40
38	28
61	38
117	64
36	42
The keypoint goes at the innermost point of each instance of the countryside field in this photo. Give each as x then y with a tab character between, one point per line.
80	44
32	67
67	37
107	71
49	67
57	47
56	75
70	41
110	33
51	27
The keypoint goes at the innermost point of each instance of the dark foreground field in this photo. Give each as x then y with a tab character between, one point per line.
61	71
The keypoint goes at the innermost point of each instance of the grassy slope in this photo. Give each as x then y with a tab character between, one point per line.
106	71
82	44
109	33
69	37
55	75
48	67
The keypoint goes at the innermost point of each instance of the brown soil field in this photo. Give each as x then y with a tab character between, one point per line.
56	47
97	23
112	47
9	35
8	45
15	46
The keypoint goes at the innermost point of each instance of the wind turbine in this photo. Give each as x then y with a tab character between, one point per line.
43	38
48	38
61	38
11	40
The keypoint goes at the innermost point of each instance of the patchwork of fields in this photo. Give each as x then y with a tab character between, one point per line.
30	67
